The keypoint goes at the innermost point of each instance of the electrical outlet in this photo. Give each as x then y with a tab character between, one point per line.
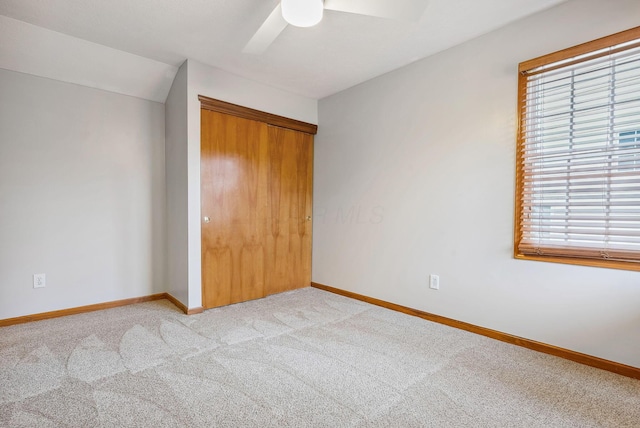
434	282
39	280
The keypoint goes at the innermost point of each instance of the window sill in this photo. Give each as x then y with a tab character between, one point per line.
610	264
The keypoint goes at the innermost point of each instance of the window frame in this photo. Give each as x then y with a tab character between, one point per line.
523	67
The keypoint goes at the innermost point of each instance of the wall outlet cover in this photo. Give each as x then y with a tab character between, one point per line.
39	280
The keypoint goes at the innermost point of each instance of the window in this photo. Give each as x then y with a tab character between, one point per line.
631	139
578	156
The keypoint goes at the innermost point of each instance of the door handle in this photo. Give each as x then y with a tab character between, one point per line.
207	219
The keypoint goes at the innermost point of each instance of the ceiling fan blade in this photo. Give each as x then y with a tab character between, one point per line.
402	10
267	33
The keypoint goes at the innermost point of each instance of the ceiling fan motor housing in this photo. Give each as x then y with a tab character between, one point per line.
302	13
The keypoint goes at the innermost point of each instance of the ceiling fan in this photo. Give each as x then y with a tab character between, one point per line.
306	13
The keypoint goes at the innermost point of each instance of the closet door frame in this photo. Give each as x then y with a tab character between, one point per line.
260	116
223	107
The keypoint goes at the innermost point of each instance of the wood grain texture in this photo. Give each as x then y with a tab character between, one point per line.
589	360
289	224
257	115
256	184
81	309
234	175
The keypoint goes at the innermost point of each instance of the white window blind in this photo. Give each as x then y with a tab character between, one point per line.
579	159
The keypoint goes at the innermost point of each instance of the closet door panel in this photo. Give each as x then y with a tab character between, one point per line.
289	224
234	176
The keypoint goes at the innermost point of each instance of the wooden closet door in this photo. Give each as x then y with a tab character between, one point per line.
234	177
289	223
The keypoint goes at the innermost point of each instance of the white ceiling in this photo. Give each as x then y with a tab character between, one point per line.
343	50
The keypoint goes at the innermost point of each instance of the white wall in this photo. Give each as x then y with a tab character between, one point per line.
218	84
414	174
176	180
81	195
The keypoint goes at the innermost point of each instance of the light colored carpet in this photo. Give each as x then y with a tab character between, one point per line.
305	358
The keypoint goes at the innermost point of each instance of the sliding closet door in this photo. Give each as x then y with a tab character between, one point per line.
289	200
234	177
256	186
